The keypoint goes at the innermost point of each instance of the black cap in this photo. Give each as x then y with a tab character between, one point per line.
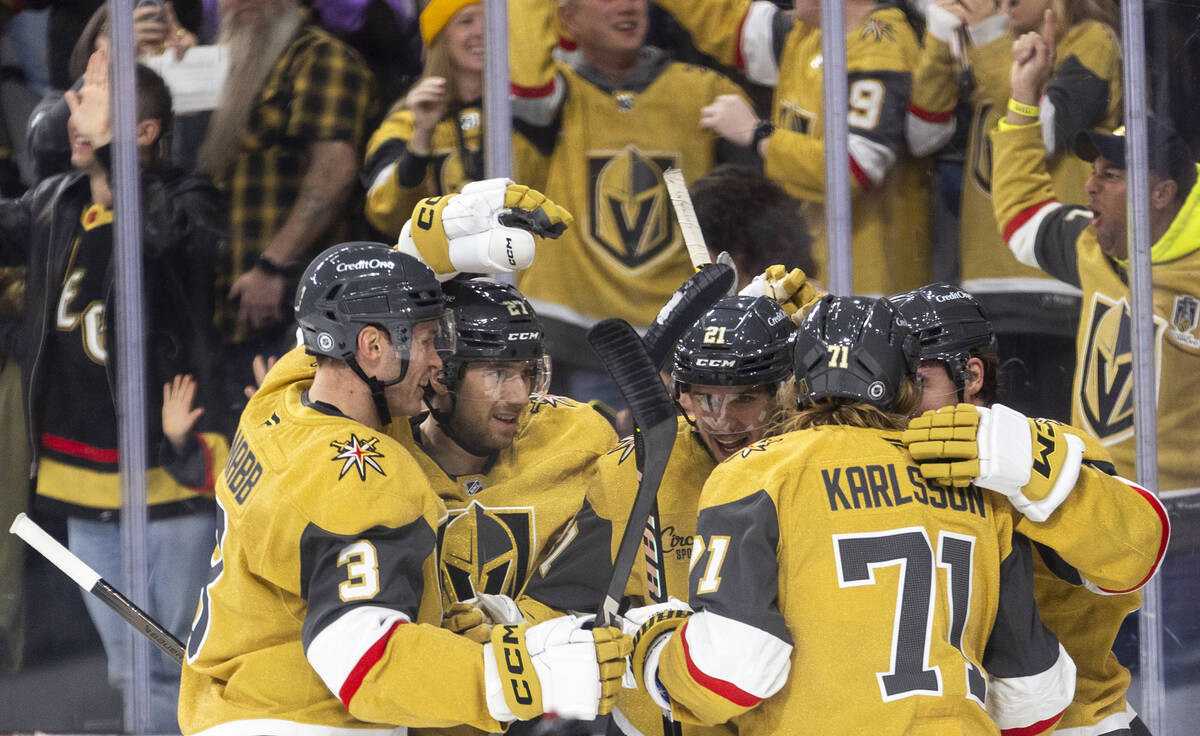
1170	156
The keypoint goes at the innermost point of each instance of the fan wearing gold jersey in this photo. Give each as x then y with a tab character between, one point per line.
1035	315
611	123
1094	552
509	461
322	615
1087	247
822	557
773	47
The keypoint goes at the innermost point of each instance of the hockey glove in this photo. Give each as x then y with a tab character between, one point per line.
488	228
790	289
652	635
475	618
466	620
1031	461
553	667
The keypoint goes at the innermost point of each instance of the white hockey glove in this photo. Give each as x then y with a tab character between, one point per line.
1031	461
486	228
575	673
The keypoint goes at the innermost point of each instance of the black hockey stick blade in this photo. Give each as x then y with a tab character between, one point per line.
624	357
88	579
688	304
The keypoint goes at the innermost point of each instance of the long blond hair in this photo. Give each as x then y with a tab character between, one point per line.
845	412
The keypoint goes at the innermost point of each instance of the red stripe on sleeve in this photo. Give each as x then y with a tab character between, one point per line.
739	59
1030	730
930	117
355	678
864	181
1162	541
727	690
532	93
1023	217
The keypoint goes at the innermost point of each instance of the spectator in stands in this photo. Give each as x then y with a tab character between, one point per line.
46	132
64	228
1034	316
431	144
1087	248
743	212
890	210
610	123
284	144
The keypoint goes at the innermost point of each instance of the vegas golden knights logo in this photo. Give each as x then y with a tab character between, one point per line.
1104	384
631	216
794	118
485	550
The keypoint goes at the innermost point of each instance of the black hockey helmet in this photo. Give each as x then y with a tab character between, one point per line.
494	322
356	284
949	325
741	341
853	347
352	285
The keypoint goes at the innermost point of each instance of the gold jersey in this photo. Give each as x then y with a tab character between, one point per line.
890	209
501	523
1083	93
1058	238
673	533
822	556
609	144
322	612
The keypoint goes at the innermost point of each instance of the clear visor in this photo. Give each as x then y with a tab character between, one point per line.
517	381
437	335
730	411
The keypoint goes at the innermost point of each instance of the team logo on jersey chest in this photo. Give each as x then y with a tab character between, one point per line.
485	550
1104	382
357	454
630	214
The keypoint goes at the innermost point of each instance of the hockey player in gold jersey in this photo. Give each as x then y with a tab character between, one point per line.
1087	248
890	190
509	461
729	370
610	124
1107	529
822	560
322	615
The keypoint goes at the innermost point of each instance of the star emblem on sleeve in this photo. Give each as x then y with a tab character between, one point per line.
357	454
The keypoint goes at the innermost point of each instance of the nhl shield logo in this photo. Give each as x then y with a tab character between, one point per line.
629	211
485	550
1104	381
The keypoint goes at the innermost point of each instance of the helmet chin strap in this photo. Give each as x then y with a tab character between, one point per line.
444	421
377	388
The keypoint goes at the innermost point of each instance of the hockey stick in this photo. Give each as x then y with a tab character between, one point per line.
624	357
689	225
90	580
688	304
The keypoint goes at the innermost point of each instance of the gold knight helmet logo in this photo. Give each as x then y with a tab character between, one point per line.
485	550
1104	387
631	215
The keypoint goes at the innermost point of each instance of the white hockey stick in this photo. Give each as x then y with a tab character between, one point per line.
90	580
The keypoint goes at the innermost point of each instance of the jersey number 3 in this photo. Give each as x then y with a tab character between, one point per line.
859	555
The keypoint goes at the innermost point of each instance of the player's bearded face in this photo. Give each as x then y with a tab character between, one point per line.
424	363
489	400
729	418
